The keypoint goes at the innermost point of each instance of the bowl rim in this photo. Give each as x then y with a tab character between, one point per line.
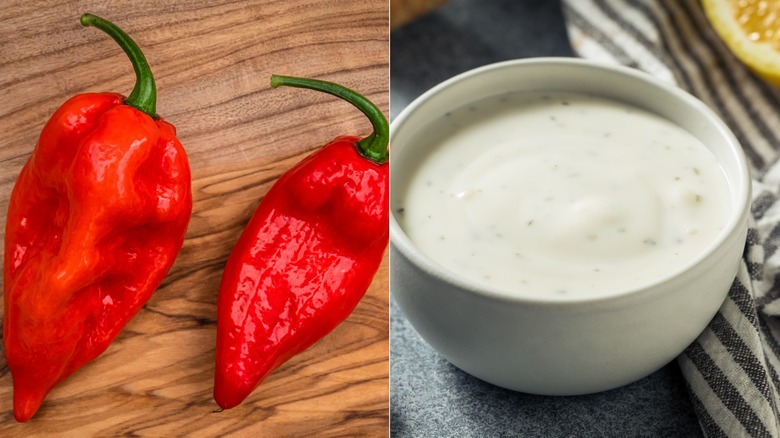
741	189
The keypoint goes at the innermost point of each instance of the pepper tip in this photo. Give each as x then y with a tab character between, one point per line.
26	405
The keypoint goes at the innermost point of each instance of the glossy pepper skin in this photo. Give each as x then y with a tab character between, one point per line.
307	256
95	220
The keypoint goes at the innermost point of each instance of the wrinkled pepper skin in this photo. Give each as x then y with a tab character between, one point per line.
95	221
302	264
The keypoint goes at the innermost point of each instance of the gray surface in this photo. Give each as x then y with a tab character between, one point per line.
428	396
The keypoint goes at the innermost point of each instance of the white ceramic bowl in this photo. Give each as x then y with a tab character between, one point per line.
555	346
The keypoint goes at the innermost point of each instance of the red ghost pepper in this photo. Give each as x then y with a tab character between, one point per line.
94	223
307	256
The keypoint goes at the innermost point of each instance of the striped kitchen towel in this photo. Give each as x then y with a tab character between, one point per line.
733	368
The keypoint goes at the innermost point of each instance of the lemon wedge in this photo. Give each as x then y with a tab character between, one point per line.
751	30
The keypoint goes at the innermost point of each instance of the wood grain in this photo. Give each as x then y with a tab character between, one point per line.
212	61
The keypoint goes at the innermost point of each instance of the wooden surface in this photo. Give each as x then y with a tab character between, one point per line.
212	61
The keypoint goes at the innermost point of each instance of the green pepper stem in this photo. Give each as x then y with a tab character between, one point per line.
373	147
144	94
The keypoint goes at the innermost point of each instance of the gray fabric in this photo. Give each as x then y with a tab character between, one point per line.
732	368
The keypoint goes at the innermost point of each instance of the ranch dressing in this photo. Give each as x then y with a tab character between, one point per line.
562	194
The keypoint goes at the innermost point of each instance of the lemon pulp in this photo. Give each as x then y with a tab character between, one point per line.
751	30
758	18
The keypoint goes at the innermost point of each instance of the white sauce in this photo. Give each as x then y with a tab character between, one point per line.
561	194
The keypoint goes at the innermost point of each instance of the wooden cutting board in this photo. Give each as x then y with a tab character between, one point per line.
212	61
